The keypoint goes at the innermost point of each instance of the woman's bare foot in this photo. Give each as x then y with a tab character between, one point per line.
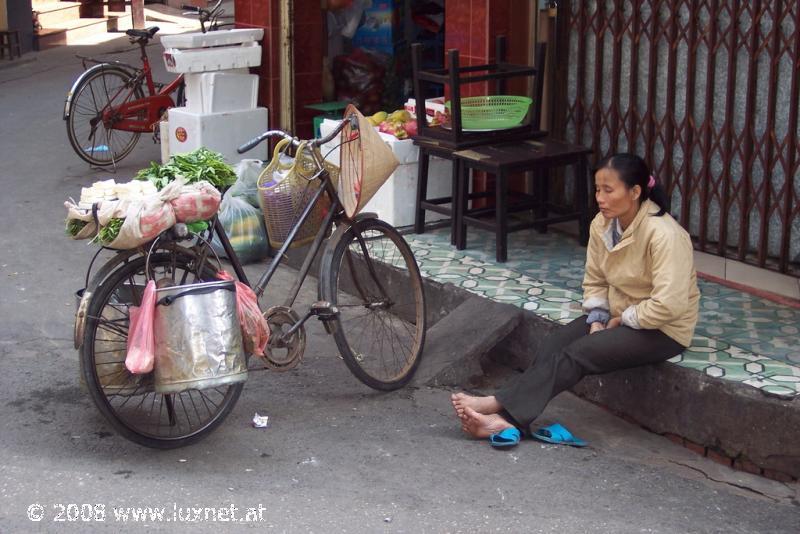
482	405
479	425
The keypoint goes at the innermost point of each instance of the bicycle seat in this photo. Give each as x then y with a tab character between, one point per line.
147	33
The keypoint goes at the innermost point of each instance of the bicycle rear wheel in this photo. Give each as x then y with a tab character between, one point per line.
129	402
93	139
372	279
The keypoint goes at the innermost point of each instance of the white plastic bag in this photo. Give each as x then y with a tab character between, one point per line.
246	186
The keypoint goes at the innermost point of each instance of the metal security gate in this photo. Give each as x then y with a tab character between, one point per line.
708	92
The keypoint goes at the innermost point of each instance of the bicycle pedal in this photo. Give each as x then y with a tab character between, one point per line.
324	310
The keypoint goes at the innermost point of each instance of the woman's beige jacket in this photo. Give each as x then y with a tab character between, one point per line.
648	278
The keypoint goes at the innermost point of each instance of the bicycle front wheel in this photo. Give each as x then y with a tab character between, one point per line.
372	279
91	116
129	402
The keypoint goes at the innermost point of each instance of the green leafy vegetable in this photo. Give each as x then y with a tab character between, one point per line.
74	226
201	164
109	232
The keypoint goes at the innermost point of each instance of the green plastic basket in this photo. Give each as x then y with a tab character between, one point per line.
493	112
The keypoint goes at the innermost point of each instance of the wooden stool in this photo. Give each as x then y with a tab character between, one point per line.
9	40
504	159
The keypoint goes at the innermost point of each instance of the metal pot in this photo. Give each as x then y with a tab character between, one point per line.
198	337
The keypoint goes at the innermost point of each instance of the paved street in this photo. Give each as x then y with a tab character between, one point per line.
337	457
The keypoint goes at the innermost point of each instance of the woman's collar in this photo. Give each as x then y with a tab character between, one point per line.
626	237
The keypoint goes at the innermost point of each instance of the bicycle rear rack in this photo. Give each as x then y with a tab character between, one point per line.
90	60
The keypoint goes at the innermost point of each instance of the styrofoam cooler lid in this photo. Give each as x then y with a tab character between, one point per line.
217	38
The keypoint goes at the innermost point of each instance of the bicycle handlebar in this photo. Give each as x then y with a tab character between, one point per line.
205	14
352	119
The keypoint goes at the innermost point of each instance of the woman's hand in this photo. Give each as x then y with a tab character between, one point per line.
614	322
596	327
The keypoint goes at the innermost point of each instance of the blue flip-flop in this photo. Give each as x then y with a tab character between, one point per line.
558	435
508	437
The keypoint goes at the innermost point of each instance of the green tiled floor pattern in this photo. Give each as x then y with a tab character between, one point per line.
739	337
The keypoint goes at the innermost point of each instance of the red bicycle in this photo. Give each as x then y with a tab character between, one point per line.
106	109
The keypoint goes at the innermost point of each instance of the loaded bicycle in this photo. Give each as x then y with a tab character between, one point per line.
370	291
112	103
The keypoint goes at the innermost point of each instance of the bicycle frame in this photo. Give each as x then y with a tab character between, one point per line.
126	116
335	213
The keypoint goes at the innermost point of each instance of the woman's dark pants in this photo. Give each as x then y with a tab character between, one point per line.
569	354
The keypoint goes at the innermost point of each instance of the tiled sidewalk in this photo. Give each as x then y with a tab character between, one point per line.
740	337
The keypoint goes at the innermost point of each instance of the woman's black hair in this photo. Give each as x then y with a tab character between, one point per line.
633	171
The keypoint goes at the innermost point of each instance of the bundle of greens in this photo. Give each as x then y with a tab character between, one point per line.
201	164
74	226
109	232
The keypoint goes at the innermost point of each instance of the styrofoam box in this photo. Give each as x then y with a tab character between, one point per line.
394	202
163	131
211	59
220	132
218	38
194	88
215	92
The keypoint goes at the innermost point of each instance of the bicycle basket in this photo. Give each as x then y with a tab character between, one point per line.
282	202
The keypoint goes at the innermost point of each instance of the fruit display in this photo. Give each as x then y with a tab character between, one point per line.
399	123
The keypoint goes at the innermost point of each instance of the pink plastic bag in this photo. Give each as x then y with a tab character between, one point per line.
255	330
141	339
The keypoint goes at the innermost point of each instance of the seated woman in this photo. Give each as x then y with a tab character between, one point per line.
639	293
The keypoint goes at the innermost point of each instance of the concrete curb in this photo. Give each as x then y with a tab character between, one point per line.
454	346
